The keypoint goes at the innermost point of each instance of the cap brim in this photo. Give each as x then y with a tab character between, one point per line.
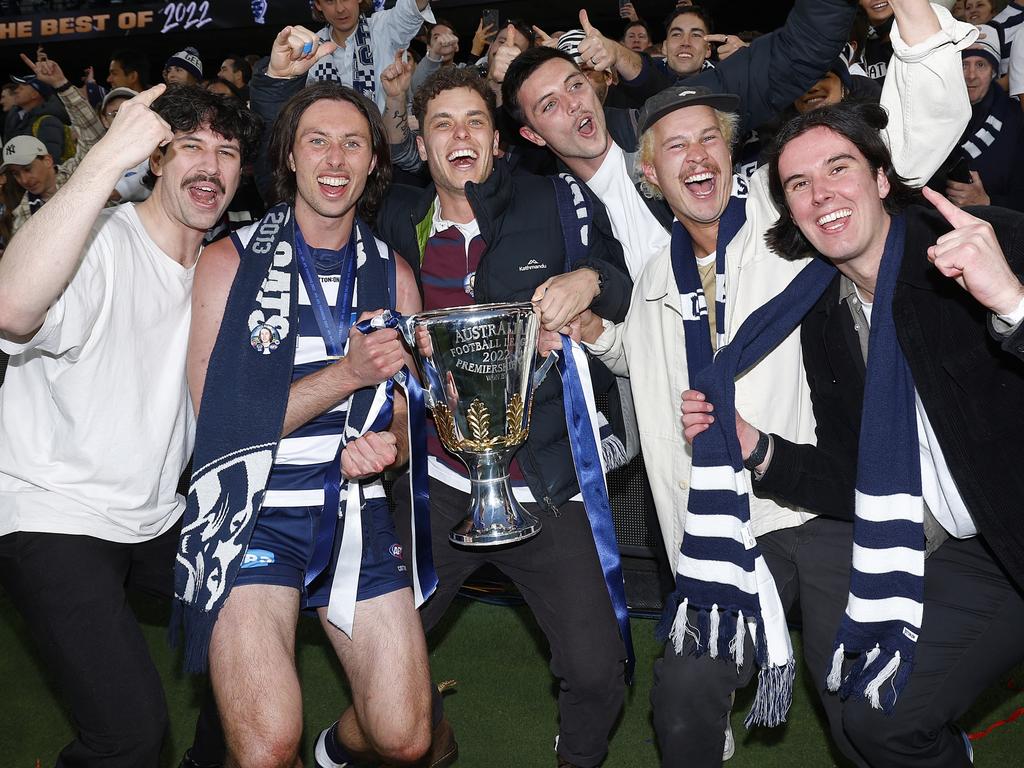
724	102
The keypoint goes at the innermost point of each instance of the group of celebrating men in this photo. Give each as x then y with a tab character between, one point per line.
825	366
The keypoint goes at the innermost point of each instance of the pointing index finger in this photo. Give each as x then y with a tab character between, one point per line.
955	216
148	96
31	64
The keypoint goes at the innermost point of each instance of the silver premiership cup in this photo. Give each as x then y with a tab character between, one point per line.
476	366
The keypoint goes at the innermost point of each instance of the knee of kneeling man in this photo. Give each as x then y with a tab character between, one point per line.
272	751
587	676
405	748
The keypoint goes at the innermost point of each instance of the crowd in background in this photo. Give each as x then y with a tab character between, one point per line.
650	201
39	105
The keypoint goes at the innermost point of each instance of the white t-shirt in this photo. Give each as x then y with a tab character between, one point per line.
633	224
96	424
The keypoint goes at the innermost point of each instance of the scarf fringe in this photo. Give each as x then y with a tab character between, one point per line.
774	696
681	628
713	636
835	673
739	641
868	679
613	452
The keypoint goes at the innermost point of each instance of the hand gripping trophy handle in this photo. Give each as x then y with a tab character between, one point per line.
476	366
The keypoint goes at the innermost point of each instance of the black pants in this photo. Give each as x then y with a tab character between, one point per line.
71	592
691	695
970	637
559	575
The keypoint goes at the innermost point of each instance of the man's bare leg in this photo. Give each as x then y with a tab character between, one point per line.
386	665
252	668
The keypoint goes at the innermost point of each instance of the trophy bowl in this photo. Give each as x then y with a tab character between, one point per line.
476	366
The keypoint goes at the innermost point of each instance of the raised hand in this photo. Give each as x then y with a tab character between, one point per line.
135	132
543	39
47	70
627	11
443	46
970	254
482	37
295	50
368	455
502	56
727	45
397	76
596	50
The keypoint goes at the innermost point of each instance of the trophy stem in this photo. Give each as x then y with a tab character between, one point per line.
495	517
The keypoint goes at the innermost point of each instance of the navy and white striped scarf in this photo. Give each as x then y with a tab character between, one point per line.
721	573
886	604
363	78
985	135
697	328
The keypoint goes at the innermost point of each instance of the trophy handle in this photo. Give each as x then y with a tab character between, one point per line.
542	372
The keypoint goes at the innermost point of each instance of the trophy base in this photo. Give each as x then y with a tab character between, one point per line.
465	534
495	517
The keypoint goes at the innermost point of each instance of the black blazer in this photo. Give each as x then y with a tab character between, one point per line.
970	380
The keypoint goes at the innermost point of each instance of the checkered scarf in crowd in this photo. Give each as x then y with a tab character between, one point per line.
722	575
363	78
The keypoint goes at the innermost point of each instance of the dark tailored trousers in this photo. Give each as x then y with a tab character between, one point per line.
691	695
973	621
71	592
970	638
559	576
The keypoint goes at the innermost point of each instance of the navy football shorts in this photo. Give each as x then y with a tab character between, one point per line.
282	545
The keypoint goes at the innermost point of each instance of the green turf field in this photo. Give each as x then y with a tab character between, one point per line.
503	709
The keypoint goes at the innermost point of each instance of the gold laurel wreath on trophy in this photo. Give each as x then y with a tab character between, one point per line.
479	420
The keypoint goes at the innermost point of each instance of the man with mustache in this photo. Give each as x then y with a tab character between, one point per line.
95	409
297	418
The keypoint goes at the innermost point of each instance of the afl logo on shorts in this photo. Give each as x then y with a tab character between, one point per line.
396	550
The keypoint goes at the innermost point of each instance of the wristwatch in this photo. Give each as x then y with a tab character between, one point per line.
759	453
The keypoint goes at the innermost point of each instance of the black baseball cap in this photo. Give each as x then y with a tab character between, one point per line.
679	96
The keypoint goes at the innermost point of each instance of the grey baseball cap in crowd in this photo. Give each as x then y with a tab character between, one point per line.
119	93
679	96
22	150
